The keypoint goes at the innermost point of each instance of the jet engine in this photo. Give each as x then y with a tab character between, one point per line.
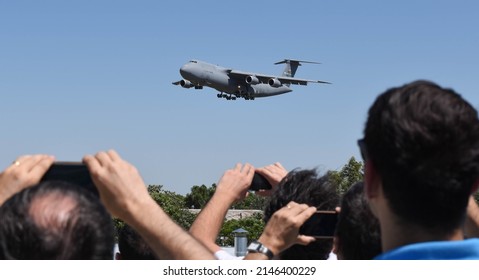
274	82
186	84
252	80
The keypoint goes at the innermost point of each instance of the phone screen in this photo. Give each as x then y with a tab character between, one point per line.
321	224
73	172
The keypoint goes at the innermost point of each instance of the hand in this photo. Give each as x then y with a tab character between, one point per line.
235	182
119	184
26	171
282	230
274	173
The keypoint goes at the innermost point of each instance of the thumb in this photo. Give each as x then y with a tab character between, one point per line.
304	239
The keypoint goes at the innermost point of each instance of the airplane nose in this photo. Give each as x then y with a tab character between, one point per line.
184	70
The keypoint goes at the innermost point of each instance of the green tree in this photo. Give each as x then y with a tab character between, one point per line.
349	174
199	196
253	224
173	204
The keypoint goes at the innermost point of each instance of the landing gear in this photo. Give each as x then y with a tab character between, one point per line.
235	96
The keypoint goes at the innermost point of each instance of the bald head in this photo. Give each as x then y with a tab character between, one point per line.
55	220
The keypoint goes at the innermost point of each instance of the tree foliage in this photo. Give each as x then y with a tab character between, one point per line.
199	196
253	224
173	204
349	174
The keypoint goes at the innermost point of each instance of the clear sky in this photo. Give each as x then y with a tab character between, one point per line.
77	77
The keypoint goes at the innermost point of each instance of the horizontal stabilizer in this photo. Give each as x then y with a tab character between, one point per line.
294	61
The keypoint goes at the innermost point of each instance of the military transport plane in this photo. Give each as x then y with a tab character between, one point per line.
234	84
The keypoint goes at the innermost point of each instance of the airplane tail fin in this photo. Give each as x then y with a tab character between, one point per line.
292	66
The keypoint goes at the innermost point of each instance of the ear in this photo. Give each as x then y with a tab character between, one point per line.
371	179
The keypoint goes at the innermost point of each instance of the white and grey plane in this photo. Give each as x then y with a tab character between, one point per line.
234	84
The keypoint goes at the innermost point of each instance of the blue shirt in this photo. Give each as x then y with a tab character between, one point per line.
435	250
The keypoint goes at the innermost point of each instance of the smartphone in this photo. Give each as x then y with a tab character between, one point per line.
321	224
73	172
259	183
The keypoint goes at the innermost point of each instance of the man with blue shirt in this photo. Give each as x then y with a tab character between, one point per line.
421	153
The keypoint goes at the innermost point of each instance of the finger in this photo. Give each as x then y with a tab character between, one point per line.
304	239
92	164
39	169
295	208
114	156
248	168
277	164
238	166
305	214
102	158
22	163
245	167
33	161
269	169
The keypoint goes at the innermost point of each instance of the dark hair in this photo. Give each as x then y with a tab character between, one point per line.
358	229
423	140
304	186
132	246
55	220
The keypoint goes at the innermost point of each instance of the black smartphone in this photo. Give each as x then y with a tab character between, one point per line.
321	224
259	183
73	172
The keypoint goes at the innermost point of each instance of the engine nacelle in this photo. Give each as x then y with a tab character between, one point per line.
274	82
252	80
186	84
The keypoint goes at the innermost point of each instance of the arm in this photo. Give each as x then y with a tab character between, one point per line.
232	187
471	226
124	194
26	171
282	230
274	173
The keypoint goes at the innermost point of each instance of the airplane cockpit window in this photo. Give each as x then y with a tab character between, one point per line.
193	61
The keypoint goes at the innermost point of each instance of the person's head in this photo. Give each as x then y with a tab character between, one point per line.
55	220
304	186
132	246
358	235
421	143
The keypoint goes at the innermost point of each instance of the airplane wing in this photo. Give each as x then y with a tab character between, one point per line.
265	78
294	81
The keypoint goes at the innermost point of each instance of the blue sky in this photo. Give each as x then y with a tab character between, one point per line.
77	77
